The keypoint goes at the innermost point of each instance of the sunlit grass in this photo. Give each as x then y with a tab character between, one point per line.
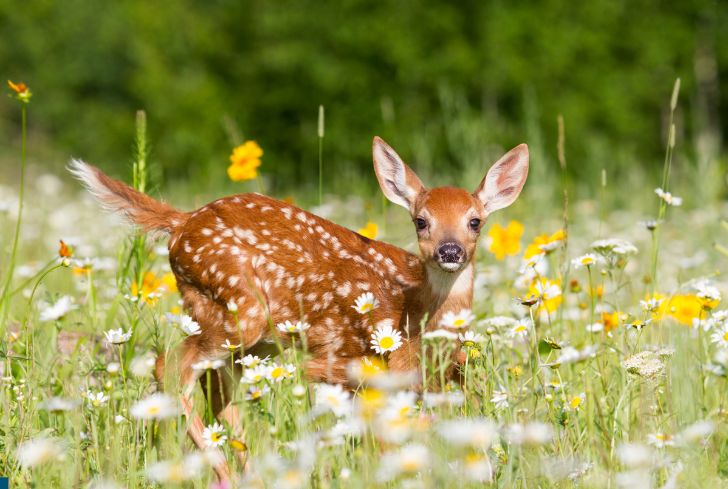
581	368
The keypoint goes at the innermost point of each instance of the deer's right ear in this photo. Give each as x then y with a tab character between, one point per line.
398	182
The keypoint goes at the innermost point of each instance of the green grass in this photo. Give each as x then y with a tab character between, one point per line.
605	442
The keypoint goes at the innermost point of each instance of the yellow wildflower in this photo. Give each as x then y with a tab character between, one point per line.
153	288
610	320
548	293
505	241
544	244
684	308
369	231
245	161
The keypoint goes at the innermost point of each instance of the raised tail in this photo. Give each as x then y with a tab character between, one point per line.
149	214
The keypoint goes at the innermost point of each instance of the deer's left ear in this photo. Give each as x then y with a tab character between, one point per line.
505	179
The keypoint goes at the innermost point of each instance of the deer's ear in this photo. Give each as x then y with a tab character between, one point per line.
399	183
505	179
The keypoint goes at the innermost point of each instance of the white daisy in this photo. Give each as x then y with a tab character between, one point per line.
57	310
277	373
533	433
96	399
588	260
668	197
471	338
460	320
59	404
176	472
251	361
156	406
332	398
410	459
253	375
117	336
614	246
386	339
521	329
500	398
651	305
478	433
255	392
720	336
189	326
291	327
439	334
366	303
38	451
214	435
232	306
208	364
660	440
231	347
576	402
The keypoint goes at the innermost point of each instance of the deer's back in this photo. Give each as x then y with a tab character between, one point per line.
269	257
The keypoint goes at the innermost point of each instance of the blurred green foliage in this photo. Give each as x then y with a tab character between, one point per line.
448	84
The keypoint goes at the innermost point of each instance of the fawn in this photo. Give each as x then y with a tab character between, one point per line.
276	262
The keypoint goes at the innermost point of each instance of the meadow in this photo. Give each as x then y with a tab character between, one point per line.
597	347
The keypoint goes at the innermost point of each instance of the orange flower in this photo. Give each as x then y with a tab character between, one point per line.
245	161
610	320
505	241
22	92
65	251
369	231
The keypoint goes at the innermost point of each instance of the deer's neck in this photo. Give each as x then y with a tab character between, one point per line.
438	293
428	290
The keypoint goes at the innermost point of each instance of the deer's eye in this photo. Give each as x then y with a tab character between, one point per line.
420	224
474	224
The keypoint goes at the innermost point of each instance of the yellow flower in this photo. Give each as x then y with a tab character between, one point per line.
548	293
369	231
245	161
22	92
544	244
684	308
505	241
153	288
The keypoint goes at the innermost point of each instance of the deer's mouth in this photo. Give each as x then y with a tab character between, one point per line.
451	266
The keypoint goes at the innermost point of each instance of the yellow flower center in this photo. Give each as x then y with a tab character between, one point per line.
386	342
153	410
277	372
458	322
575	402
520	328
725	336
366	307
215	437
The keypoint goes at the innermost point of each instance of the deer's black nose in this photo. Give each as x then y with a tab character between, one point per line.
450	252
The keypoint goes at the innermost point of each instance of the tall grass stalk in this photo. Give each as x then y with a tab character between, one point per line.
4	310
321	155
665	183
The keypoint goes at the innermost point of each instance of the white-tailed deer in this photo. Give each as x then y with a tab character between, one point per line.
279	263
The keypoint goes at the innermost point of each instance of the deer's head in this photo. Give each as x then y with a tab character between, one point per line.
448	220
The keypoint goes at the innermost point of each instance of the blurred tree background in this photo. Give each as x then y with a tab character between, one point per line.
448	84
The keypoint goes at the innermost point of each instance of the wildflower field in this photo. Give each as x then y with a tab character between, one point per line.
595	353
